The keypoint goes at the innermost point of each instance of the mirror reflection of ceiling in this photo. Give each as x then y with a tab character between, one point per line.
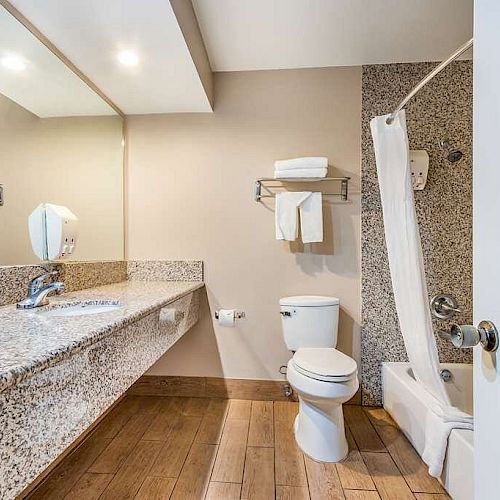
133	50
33	77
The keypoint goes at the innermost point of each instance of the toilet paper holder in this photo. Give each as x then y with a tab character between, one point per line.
237	314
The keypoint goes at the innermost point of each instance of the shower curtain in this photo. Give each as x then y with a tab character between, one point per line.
405	251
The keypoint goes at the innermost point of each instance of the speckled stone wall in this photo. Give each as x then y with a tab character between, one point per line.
442	110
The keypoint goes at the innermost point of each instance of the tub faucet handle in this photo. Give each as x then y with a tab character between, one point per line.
444	306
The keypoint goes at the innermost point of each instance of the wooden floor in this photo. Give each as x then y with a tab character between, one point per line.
195	448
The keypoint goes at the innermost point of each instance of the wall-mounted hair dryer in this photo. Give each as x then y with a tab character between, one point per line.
419	166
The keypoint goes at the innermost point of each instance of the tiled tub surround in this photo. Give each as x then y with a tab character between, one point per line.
58	375
441	110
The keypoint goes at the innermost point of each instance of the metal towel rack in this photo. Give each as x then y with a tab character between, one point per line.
261	184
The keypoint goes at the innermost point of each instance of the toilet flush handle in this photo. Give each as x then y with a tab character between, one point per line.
286	313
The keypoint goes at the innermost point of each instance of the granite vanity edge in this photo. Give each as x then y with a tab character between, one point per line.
14	376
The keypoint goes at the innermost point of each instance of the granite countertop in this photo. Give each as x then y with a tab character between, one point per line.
30	342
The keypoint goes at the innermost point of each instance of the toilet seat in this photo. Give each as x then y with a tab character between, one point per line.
325	364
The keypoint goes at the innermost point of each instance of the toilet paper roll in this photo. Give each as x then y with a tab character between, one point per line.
226	317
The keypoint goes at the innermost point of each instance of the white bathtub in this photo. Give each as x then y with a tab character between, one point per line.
406	401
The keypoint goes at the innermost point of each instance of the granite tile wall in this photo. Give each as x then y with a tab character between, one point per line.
441	110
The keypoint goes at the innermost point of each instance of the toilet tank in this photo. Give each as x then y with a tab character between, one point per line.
309	321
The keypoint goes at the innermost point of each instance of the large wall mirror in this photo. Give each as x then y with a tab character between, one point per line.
60	143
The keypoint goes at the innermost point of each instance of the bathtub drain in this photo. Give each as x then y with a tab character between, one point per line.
446	375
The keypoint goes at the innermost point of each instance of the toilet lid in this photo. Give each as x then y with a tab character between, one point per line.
324	364
309	301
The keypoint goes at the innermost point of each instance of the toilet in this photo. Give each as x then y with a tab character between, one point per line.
323	377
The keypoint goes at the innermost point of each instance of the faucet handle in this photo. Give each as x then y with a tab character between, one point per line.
444	306
37	281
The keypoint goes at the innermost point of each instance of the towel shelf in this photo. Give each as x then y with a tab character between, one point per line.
261	184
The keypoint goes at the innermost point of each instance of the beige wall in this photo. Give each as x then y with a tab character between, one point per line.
77	162
190	181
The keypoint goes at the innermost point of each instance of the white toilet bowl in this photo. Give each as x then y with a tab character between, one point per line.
324	379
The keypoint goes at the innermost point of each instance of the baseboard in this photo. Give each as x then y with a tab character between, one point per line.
210	387
214	387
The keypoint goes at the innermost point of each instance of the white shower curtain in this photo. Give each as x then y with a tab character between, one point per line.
405	251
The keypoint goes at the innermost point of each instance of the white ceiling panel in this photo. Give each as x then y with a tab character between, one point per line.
38	81
272	34
91	33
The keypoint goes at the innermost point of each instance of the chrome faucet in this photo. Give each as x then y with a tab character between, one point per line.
38	291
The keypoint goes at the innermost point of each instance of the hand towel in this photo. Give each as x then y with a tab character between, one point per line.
440	421
286	214
300	173
301	163
311	216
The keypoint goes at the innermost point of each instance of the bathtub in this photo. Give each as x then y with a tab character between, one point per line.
406	402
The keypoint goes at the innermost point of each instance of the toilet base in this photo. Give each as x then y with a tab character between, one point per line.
320	432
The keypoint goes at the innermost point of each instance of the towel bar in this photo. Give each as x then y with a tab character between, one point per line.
262	184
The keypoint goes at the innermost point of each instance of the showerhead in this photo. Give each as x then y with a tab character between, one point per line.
452	155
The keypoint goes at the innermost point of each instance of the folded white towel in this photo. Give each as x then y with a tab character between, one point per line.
301	163
440	421
311	216
300	173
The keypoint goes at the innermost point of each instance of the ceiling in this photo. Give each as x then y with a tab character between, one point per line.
238	35
45	86
272	34
92	32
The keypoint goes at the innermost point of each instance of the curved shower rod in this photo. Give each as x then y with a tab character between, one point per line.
429	77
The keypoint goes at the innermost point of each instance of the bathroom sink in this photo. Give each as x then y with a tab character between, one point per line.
81	308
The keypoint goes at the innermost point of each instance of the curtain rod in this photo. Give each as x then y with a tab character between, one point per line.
428	78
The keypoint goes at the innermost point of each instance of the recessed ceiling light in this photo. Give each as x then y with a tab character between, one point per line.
14	63
128	58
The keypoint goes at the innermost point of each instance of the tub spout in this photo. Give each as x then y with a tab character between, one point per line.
444	335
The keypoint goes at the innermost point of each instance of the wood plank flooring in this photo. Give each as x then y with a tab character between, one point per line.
155	448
